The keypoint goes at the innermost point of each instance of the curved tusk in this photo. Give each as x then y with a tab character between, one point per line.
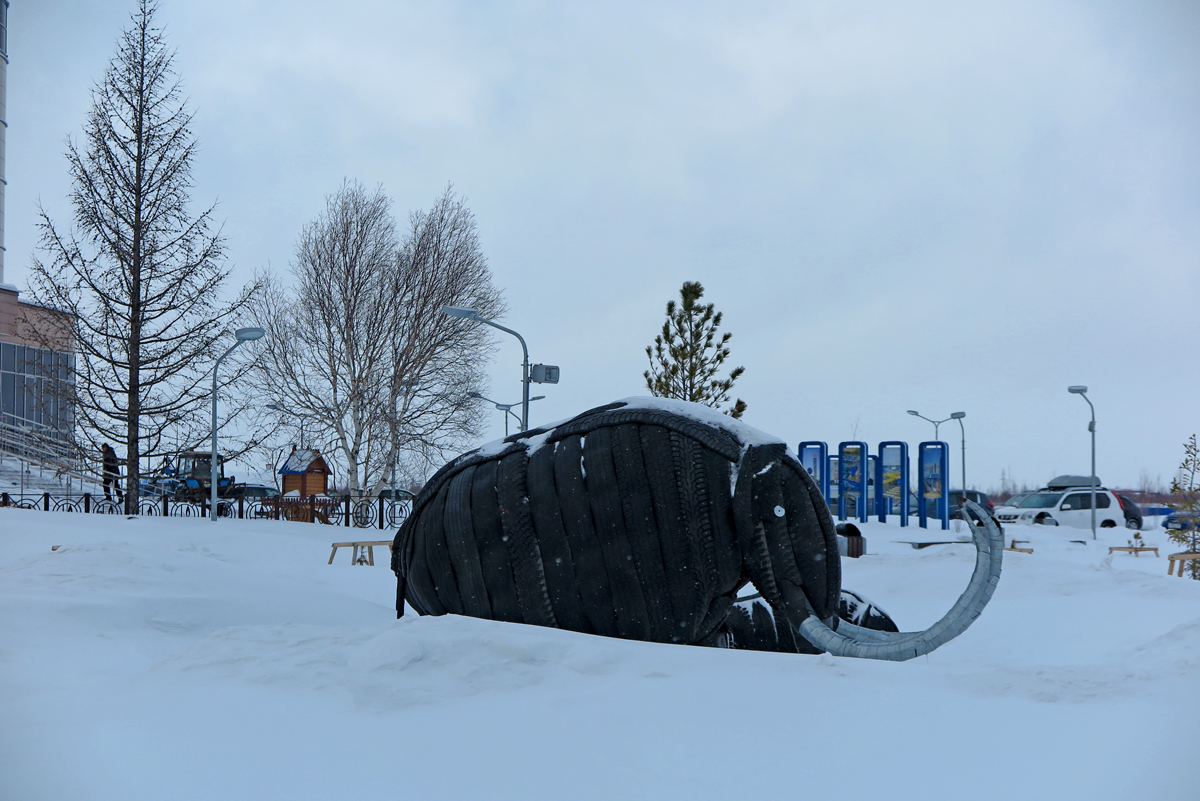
851	640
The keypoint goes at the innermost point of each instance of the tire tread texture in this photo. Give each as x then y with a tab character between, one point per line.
625	522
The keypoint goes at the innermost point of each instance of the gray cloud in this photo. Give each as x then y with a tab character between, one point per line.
930	206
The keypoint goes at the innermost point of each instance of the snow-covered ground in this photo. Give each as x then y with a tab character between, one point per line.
182	659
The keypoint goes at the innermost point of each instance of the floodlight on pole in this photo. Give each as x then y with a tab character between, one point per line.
1081	391
242	335
473	314
458	311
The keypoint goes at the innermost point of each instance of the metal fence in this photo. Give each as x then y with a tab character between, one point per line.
379	513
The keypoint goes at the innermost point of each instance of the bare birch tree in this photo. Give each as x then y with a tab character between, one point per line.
329	338
139	274
360	347
437	359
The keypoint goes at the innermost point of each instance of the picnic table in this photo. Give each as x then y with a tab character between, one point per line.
1186	556
1134	549
364	550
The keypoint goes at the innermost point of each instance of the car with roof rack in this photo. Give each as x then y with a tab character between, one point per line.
1066	501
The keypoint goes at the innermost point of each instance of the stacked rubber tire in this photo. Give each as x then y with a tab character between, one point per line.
627	522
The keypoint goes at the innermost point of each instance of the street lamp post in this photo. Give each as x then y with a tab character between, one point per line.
473	314
963	431
954	416
936	423
1082	392
243	335
504	407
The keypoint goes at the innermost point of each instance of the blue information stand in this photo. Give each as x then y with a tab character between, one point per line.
852	479
872	487
891	481
933	468
814	456
832	471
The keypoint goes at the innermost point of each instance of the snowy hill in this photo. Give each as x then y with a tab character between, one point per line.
180	659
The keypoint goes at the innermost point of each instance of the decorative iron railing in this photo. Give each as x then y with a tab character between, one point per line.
348	512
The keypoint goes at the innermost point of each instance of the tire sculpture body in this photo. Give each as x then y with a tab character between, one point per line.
643	519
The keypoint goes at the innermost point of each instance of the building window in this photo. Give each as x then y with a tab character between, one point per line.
35	388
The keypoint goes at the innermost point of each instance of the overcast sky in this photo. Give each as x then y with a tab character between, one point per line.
931	206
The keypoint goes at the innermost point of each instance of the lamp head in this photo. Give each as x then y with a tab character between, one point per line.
276	407
914	412
1077	389
958	415
538	397
249	334
458	311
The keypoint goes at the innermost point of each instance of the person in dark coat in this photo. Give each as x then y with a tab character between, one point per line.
112	472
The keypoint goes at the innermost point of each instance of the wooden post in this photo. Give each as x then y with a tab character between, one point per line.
3	499
312	508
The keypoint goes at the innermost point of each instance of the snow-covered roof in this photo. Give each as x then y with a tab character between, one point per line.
299	461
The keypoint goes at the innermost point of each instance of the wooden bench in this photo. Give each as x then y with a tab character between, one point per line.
1180	558
1134	549
364	552
1013	547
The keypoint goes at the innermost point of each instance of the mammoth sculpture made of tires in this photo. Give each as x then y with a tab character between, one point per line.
643	519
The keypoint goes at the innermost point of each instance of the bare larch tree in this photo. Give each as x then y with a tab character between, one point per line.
140	276
359	345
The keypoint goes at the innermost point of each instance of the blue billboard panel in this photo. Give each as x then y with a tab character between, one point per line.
872	495
814	456
933	468
891	481
834	483
852	480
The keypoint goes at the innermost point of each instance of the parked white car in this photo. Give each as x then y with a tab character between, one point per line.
1059	505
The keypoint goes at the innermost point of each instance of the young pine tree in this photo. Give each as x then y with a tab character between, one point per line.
687	355
1186	487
